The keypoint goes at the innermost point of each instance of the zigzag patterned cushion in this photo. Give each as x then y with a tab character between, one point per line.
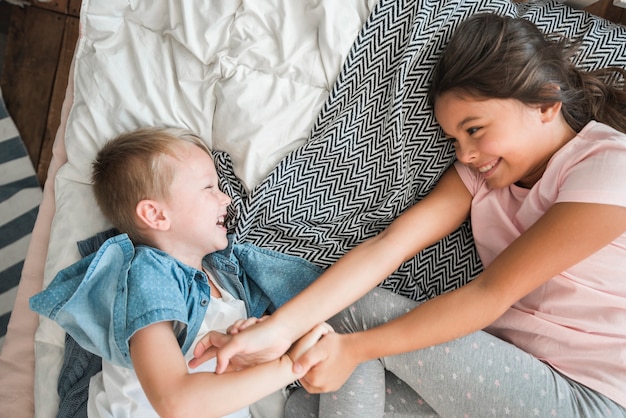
376	149
20	195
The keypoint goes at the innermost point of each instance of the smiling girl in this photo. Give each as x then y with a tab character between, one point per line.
541	172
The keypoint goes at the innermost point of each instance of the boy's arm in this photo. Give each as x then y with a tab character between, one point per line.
360	270
174	392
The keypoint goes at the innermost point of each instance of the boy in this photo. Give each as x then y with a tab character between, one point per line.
146	295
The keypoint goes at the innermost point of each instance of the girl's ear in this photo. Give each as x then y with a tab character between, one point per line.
549	111
151	214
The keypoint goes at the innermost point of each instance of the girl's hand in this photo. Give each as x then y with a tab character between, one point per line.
308	340
238	352
259	342
242	324
208	347
329	364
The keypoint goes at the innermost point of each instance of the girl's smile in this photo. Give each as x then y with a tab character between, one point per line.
488	168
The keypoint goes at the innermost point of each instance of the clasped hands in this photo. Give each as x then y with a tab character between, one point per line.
321	360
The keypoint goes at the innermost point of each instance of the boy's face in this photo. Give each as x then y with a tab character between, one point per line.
196	206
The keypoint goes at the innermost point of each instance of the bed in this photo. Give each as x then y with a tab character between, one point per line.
319	113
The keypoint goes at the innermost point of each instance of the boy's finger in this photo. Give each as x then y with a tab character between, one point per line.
241	324
206	355
200	348
211	339
308	360
234	328
309	340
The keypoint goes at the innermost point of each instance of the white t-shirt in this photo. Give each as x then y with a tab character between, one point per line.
115	392
576	322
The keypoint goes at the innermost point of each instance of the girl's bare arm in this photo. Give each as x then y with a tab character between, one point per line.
360	270
562	237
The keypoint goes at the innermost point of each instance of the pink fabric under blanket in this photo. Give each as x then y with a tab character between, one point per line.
17	359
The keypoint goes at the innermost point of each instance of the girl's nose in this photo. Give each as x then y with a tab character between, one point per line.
465	153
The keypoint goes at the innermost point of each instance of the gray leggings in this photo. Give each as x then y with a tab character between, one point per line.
475	376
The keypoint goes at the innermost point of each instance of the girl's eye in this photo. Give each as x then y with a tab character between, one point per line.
472	131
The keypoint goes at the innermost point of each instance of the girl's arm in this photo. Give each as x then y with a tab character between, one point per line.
565	235
360	270
174	392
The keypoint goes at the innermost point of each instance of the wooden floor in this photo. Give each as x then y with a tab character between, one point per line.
39	48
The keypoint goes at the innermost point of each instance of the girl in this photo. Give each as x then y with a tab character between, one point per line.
541	166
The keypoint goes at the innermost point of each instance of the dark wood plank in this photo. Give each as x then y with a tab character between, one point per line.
70	37
74	8
34	42
59	6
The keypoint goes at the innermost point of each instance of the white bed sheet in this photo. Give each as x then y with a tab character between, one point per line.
248	76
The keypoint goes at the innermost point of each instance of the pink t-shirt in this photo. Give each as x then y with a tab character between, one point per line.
576	322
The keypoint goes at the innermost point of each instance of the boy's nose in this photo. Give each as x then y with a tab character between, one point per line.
225	199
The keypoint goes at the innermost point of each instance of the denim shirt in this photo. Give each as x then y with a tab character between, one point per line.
104	298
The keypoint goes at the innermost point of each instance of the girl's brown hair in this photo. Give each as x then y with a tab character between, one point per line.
130	168
493	56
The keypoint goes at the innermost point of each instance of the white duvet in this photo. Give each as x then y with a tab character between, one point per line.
249	76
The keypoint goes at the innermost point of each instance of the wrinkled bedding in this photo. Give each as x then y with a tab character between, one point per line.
248	76
320	105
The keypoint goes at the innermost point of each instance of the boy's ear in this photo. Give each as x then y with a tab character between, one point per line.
151	215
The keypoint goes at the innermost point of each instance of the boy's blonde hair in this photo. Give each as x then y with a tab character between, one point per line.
130	168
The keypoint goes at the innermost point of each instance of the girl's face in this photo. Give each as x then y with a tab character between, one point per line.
504	140
196	206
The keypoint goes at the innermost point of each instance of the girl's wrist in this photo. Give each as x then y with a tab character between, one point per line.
356	345
284	327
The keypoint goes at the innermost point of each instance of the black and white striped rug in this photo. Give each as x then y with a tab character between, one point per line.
20	196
